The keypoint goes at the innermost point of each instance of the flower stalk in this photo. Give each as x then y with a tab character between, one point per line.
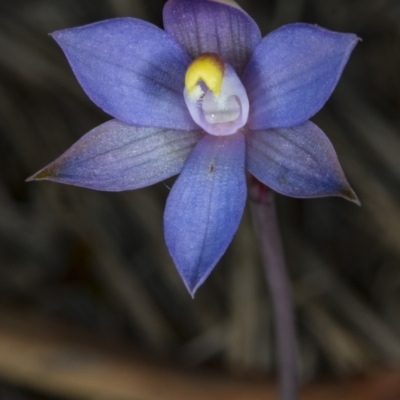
263	209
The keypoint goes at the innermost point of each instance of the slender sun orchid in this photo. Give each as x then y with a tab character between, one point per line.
207	97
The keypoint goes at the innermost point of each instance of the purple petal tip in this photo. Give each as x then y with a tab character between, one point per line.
350	195
43	174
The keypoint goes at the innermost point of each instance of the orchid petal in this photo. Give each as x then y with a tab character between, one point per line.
205	206
292	73
131	69
297	162
115	156
203	26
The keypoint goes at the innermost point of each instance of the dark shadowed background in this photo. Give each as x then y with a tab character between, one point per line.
98	262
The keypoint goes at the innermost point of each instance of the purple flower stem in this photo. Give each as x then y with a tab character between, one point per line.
262	202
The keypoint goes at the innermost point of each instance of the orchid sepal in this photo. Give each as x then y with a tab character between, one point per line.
205	206
293	72
297	162
115	156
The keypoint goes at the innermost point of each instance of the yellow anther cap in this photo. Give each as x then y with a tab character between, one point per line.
208	68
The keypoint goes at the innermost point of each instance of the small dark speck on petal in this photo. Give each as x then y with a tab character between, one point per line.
212	167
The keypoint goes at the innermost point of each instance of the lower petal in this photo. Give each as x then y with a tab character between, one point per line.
205	206
116	156
297	162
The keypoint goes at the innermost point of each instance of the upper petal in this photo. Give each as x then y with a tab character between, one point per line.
292	73
116	156
203	26
131	69
205	206
297	162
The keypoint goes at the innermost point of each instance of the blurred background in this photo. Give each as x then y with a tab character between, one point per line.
81	269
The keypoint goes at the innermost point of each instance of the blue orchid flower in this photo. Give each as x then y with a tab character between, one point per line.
208	98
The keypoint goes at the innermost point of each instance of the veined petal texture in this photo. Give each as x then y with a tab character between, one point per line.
116	156
203	26
131	69
292	73
205	206
297	162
